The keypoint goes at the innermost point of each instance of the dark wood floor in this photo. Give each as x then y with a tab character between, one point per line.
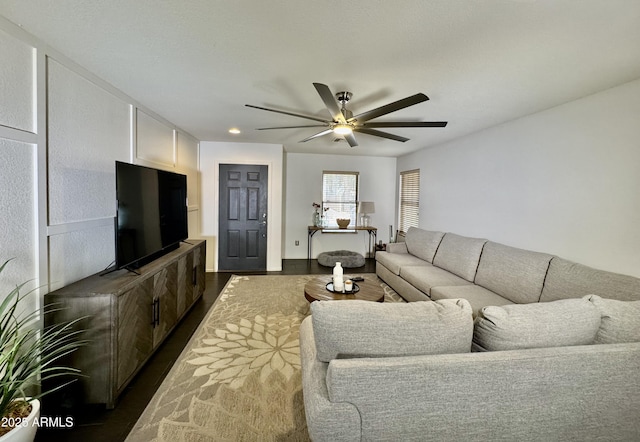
96	424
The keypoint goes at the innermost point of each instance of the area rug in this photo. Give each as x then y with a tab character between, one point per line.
238	378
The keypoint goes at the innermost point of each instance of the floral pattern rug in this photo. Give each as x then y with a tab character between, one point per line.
238	378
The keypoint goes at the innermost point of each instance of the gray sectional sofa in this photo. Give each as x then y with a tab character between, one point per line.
435	265
501	344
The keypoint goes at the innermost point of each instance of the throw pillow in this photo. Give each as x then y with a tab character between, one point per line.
537	325
348	329
620	320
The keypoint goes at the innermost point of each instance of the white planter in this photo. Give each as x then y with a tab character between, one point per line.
27	431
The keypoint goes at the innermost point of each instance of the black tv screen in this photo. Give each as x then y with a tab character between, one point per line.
151	216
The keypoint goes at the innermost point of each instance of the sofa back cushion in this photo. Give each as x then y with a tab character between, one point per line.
348	329
459	255
566	279
538	325
423	243
620	320
512	273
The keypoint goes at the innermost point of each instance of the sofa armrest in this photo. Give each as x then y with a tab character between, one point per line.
397	247
326	421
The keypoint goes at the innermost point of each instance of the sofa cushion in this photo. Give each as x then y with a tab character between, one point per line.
423	243
424	278
512	273
459	255
395	261
477	296
567	279
407	291
620	320
347	329
543	324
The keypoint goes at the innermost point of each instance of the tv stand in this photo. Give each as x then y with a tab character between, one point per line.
129	316
133	270
108	270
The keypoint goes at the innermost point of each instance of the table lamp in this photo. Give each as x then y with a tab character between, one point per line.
364	209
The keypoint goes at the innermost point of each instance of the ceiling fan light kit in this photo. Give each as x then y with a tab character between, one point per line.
342	129
343	122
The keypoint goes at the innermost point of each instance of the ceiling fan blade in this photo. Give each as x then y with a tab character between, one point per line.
291	127
391	107
351	139
319	134
288	113
407	124
330	102
379	133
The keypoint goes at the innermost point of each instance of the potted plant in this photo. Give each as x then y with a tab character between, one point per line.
28	356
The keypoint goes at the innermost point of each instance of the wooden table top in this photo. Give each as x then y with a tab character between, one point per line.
370	290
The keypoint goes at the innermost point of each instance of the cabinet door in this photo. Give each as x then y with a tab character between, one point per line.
165	296
199	254
185	284
134	330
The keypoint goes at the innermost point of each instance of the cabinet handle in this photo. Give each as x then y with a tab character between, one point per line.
158	311
194	276
155	312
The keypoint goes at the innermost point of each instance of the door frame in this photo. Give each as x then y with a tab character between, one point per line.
216	214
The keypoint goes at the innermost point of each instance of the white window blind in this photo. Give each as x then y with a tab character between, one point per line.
339	196
409	200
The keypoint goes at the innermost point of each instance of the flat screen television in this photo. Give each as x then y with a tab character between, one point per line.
151	217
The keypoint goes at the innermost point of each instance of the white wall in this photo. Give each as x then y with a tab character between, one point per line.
212	155
304	186
564	181
61	131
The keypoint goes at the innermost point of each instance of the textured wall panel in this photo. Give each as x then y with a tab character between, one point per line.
16	84
88	130
187	158
77	254
17	214
154	140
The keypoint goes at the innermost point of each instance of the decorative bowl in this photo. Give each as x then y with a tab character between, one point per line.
343	222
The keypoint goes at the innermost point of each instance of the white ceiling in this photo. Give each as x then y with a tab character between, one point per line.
481	62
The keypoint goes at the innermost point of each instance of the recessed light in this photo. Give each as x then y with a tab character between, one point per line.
234	130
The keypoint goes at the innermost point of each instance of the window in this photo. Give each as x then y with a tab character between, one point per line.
409	200
339	196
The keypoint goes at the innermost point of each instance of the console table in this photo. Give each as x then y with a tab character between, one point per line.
129	315
373	235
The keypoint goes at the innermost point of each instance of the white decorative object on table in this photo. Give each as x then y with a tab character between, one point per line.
338	279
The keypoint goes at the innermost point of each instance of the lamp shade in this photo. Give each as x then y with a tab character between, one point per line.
366	207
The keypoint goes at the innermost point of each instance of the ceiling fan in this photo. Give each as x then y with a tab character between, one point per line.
344	123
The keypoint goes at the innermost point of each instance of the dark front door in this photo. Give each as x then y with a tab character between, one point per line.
243	217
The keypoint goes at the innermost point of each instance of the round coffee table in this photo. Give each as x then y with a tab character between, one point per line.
370	290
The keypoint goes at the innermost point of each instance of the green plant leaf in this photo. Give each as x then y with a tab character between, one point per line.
29	355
